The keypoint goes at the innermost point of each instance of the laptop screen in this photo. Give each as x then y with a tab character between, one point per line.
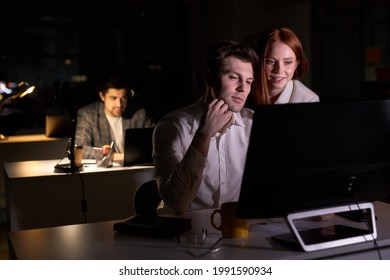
58	126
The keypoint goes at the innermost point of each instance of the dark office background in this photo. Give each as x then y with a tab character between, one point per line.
159	44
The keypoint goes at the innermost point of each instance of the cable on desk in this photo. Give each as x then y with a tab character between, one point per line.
84	204
351	183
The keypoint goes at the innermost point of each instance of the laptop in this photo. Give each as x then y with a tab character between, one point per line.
58	126
138	146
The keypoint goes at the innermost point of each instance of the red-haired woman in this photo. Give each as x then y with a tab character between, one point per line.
282	63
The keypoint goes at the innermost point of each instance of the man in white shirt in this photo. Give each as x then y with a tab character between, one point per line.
199	151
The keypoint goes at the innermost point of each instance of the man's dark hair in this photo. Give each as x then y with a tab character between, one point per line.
113	81
218	52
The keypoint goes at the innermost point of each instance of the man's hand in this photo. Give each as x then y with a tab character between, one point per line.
216	118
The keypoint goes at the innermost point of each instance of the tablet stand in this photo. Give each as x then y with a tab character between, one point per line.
333	235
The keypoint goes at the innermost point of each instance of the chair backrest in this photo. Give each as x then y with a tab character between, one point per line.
147	198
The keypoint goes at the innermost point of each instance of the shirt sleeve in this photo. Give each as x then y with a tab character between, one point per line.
179	166
84	133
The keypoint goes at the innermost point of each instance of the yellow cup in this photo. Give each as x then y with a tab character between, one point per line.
230	225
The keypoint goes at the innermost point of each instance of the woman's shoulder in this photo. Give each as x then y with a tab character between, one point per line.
303	93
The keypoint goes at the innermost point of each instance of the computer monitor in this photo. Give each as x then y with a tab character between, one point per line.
313	155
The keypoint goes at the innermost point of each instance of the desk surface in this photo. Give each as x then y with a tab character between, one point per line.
30	138
39	168
98	241
30	147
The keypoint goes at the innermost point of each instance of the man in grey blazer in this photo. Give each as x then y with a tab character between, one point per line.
105	121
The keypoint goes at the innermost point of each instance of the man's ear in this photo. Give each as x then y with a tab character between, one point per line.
101	95
207	78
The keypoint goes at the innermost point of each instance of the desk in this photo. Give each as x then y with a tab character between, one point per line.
30	147
36	197
98	241
27	147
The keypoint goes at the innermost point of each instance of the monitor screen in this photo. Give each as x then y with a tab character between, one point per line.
313	155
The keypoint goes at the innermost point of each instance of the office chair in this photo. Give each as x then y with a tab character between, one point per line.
147	198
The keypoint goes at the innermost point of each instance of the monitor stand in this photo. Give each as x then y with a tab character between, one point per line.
330	234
